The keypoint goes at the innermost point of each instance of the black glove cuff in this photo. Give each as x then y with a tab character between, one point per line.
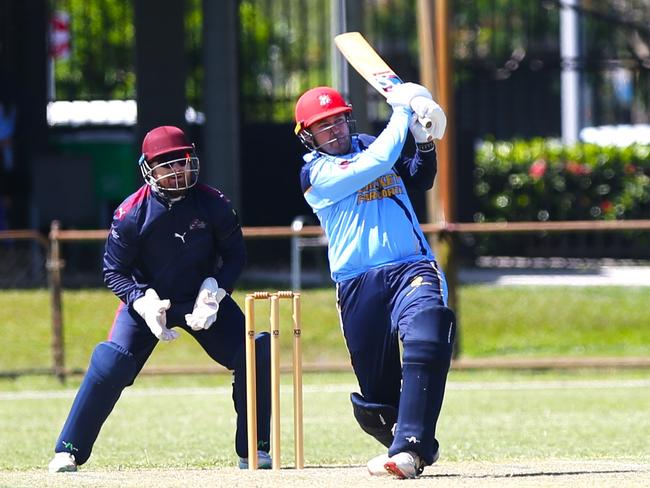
425	146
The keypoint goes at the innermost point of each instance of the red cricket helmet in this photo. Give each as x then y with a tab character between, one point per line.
317	104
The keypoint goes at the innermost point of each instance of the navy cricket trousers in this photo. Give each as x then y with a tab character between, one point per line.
404	302
115	364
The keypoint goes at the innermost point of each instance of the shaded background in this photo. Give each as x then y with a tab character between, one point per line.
230	72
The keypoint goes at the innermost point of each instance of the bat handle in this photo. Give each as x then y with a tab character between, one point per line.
426	122
419	102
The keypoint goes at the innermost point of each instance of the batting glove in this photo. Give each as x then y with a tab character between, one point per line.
402	94
153	310
425	108
423	137
206	305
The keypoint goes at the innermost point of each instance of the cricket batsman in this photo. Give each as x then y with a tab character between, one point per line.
173	254
389	287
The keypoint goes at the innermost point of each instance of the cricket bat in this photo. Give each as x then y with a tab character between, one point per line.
363	58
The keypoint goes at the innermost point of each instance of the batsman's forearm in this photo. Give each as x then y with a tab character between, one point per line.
427	167
418	172
386	148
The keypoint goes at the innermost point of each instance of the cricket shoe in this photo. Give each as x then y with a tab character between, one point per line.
62	462
376	465
263	461
405	465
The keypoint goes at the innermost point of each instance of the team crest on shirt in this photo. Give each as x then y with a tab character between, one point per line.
197	224
385	186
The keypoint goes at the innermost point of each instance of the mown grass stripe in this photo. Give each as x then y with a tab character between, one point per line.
345	388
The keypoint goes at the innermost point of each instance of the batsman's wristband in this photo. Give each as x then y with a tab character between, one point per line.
425	146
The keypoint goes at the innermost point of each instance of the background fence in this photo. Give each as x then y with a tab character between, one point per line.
23	255
57	262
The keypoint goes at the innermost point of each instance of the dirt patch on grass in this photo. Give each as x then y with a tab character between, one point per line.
467	474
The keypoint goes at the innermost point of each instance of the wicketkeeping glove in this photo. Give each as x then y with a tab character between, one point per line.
206	305
401	95
427	108
153	310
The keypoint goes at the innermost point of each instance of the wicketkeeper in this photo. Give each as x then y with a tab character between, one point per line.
173	254
389	286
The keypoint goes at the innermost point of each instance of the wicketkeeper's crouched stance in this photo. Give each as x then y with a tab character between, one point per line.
389	286
174	252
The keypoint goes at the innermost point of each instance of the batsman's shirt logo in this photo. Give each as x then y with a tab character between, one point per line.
383	187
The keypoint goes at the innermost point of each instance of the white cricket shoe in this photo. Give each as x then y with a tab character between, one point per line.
404	465
263	461
376	465
62	462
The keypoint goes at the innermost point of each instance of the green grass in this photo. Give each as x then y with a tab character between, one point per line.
555	321
88	314
507	418
490	415
494	322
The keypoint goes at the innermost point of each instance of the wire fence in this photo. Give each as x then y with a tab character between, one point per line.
22	258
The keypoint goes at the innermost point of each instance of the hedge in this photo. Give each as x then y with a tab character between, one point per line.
542	179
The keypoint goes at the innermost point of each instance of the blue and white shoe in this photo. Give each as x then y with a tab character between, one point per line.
263	461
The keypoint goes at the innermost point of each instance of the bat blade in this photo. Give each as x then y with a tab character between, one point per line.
365	60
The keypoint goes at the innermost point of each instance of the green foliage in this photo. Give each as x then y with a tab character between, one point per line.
102	60
285	49
482	33
541	179
194	49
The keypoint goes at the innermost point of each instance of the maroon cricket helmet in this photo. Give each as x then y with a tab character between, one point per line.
163	140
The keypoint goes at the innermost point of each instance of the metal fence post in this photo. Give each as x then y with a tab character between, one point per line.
54	266
296	258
